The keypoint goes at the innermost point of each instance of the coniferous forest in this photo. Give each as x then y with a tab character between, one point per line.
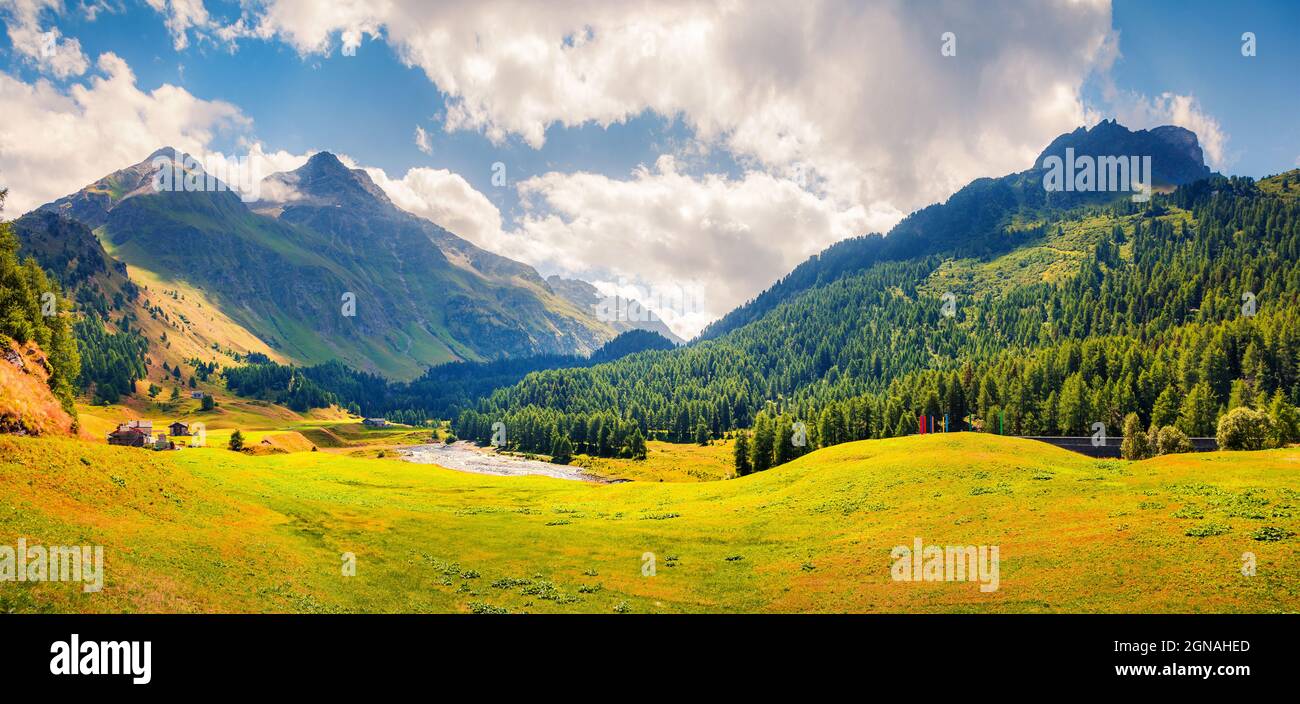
33	309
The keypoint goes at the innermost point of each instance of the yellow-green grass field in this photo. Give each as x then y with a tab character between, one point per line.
330	429
207	530
668	462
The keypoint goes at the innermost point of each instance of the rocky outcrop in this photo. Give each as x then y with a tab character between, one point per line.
27	407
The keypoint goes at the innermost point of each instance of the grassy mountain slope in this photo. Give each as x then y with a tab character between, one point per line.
128	317
212	530
986	218
423	296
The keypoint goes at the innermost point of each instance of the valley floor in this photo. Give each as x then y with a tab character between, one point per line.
465	456
209	530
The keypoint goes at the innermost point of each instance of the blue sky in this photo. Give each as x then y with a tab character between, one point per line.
702	147
1195	48
365	105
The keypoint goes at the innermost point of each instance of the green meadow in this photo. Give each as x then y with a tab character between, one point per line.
210	530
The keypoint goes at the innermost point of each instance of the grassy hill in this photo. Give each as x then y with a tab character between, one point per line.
212	530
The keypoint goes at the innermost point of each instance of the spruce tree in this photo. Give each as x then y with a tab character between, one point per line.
740	455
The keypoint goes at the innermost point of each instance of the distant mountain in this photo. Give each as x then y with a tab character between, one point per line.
982	219
325	243
588	297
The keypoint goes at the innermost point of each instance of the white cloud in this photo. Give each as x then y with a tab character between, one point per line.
90	9
844	116
721	240
55	141
857	95
446	199
709	242
1138	112
422	140
246	171
44	47
181	16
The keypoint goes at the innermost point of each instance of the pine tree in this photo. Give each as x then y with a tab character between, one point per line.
1074	412
1285	421
740	455
1215	370
1165	410
955	408
783	446
1240	395
827	433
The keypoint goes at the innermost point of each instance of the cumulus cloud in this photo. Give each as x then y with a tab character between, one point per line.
710	241
689	247
857	96
55	141
41	46
247	170
1138	112
845	114
448	200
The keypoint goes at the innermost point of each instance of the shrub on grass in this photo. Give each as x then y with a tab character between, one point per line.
1136	444
1245	429
1172	441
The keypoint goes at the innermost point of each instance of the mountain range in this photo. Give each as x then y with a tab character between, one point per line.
328	268
1009	303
